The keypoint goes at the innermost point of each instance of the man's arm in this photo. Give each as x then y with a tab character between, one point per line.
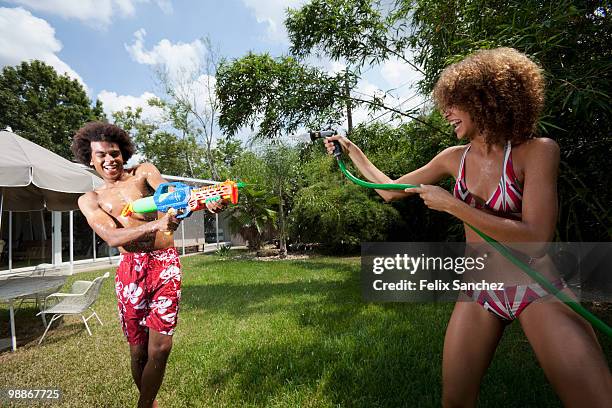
151	174
106	227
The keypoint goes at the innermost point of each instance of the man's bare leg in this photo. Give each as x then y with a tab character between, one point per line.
138	354
153	373
138	359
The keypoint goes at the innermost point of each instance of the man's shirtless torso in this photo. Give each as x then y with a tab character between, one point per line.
105	204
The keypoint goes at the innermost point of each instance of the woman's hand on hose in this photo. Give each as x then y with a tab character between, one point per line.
344	143
434	197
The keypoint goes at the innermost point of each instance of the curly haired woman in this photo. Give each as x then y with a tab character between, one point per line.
506	186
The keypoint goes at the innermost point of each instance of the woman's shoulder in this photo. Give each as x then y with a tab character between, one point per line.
453	152
537	147
449	159
536	155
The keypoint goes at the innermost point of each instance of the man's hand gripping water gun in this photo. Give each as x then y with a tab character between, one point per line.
184	199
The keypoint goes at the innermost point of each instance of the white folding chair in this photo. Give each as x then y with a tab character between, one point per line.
81	298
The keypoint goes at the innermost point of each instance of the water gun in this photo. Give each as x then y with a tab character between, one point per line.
184	199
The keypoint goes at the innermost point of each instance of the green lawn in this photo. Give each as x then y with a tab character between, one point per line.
271	334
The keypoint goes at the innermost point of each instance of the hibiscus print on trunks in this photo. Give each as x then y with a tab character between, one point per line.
172	272
169	317
132	293
165	256
148	292
161	305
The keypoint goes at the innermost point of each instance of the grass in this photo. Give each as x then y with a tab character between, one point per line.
271	334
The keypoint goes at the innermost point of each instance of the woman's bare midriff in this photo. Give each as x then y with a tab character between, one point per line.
499	269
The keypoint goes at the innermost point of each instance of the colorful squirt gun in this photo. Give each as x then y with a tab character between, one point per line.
184	199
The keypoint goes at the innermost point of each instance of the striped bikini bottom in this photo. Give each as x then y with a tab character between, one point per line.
509	303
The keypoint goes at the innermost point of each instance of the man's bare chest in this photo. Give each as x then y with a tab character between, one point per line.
113	199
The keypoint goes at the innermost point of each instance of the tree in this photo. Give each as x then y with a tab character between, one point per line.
44	107
308	26
197	160
227	153
400	150
569	39
340	215
282	170
254	217
192	105
278	95
358	31
171	154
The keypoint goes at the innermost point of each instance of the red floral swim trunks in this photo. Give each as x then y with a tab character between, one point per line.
148	287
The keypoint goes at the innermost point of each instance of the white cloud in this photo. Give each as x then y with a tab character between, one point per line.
272	13
24	37
112	102
185	67
165	6
179	58
95	12
398	73
335	67
84	10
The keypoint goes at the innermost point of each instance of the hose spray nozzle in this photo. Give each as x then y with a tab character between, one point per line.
320	134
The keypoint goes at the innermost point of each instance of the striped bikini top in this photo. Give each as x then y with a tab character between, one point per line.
506	200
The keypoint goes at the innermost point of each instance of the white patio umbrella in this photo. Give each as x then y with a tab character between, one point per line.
33	178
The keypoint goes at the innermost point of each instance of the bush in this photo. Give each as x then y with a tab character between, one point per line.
341	216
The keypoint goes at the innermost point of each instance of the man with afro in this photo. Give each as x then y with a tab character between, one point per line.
148	279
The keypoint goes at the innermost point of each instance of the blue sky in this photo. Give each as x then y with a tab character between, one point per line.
114	46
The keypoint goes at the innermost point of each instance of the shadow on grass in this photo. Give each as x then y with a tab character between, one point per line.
29	328
351	353
345	371
374	360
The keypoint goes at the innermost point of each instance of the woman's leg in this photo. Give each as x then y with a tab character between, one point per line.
469	345
568	351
